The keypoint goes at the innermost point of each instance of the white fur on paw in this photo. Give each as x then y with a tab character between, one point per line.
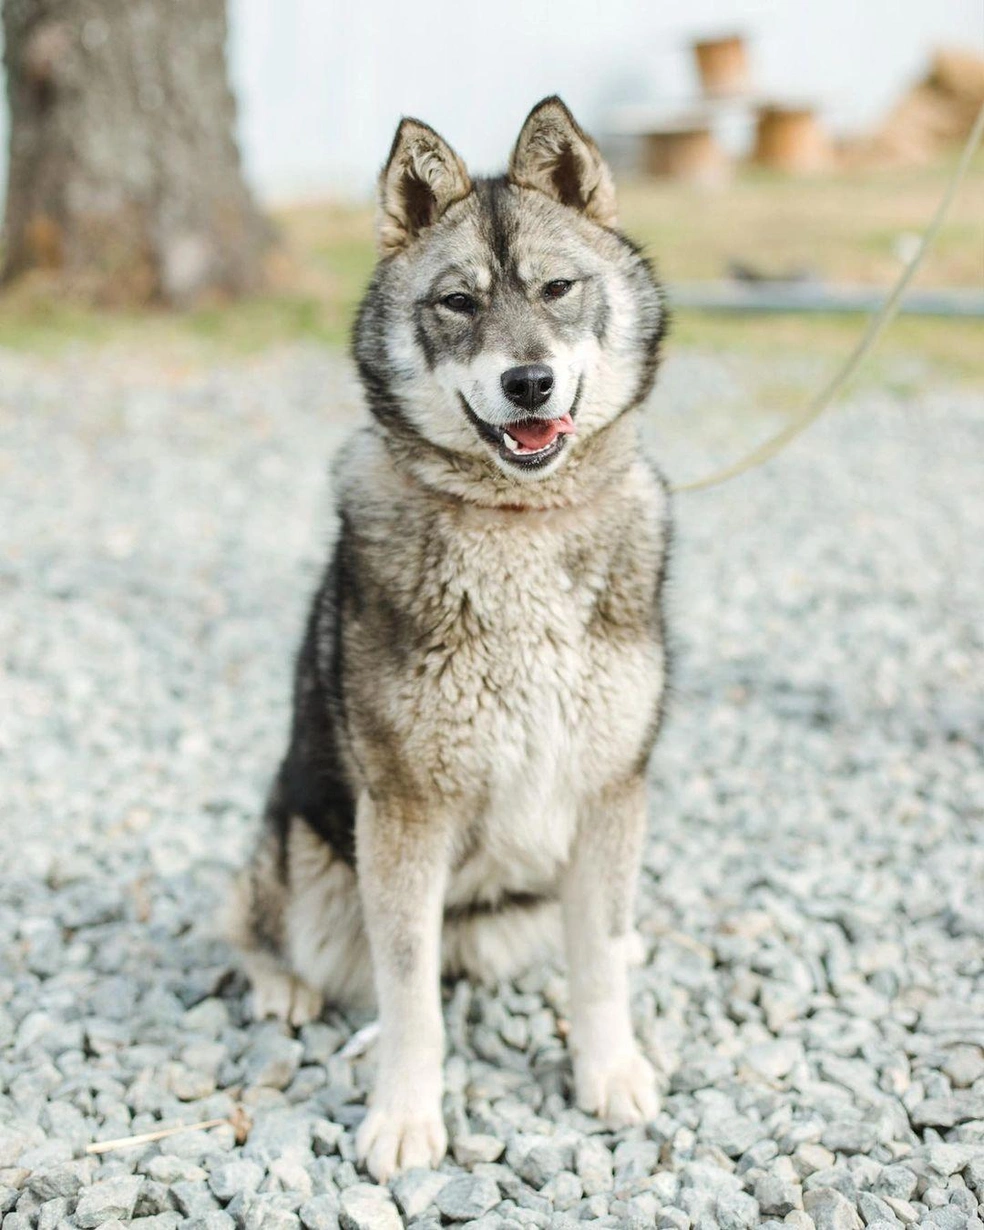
284	996
390	1140
635	949
620	1089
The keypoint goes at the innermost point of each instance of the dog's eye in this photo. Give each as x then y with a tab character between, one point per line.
463	304
557	288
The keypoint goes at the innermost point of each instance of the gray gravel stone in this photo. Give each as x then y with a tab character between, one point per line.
273	1061
798	1220
594	1166
563	1191
736	1211
193	1199
635	1159
945	1112
776	1197
326	1136
896	1181
809	1158
168	1169
271	1219
945	1218
830	1210
112	1199
259	1210
154	1198
848	1136
367	1207
467	1197
230	1177
52	1213
279	1133
943	1159
475	1147
416	1190
213	1220
964	1065
903	1209
873	1208
64	1180
320	1212
774	1060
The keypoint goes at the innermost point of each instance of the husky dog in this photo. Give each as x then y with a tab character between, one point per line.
481	679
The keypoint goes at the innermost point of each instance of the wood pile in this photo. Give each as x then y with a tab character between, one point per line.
935	113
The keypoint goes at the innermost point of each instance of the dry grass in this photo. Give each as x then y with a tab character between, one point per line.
844	228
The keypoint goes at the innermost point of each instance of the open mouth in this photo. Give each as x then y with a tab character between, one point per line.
526	443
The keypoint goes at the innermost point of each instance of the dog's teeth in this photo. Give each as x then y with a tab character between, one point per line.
513	444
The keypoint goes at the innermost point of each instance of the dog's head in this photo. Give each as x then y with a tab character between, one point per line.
508	320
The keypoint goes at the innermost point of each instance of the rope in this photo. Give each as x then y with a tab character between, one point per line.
877	325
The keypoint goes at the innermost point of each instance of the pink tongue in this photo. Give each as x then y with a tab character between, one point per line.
535	434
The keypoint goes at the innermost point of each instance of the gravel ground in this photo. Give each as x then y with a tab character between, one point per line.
812	903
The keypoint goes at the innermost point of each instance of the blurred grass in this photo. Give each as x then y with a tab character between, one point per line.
842	227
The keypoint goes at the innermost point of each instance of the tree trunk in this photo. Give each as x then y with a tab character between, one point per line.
124	172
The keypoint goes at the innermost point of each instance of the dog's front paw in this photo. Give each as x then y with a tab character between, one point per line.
621	1089
391	1139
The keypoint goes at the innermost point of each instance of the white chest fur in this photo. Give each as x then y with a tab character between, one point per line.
530	703
523	667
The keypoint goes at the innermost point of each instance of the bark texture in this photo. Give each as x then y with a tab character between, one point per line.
124	170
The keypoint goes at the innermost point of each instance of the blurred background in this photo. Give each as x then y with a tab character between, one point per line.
756	142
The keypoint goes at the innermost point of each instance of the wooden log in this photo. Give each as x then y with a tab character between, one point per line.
687	152
790	138
723	65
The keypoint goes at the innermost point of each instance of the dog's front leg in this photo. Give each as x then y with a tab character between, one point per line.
402	863
612	1078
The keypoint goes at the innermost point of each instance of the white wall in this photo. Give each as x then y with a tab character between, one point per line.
322	83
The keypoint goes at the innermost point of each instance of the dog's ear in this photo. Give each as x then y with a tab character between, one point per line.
422	177
555	156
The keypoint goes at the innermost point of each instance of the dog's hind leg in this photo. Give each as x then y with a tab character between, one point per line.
612	1077
276	992
255	923
325	940
295	917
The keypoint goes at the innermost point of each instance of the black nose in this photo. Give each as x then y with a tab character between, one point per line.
528	386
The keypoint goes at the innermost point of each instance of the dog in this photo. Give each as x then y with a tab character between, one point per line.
481	679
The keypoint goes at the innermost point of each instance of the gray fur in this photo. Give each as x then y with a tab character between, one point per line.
482	676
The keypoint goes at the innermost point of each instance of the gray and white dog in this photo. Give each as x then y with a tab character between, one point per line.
481	680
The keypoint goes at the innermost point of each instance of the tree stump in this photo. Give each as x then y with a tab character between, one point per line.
124	174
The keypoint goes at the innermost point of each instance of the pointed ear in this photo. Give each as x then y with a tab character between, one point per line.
555	156
422	177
